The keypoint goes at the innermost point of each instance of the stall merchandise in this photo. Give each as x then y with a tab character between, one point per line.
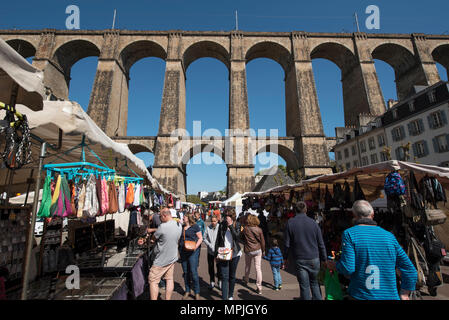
414	195
14	222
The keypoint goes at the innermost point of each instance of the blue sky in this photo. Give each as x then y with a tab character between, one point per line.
207	79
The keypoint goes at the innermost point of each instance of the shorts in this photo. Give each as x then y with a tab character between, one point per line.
156	273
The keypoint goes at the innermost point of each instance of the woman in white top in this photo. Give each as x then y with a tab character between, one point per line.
228	236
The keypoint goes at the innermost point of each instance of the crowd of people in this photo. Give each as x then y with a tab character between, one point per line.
369	256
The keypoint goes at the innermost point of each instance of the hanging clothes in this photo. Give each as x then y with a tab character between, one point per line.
81	200
104	197
55	197
99	197
65	195
347	195
91	205
121	198
136	201
112	196
129	195
73	197
358	192
44	209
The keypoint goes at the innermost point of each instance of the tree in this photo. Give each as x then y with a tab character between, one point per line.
194	199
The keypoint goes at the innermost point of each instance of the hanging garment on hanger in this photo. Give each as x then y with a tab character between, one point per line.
91	205
347	195
142	198
121	198
65	195
104	197
112	196
55	197
358	192
81	200
44	209
99	197
136	200
129	195
73	196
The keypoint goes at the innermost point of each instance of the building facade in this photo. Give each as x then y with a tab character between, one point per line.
415	129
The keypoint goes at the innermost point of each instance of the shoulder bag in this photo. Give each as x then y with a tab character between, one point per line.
189	245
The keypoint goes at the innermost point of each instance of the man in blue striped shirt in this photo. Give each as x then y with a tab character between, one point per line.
370	256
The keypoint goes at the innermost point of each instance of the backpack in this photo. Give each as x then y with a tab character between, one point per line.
394	184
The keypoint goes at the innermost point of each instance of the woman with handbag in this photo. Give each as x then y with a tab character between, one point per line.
228	252
254	247
190	246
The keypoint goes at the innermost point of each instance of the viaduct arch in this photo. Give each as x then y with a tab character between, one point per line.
305	147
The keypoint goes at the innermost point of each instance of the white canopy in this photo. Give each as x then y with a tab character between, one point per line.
74	122
235	200
15	68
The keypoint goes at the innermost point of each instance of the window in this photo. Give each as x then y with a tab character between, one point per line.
374	158
437	119
338	155
416	127
365	161
353	150
441	143
362	146
371	143
383	156
420	149
395	114
432	96
356	163
346	153
381	140
400	153
348	165
398	133
411	106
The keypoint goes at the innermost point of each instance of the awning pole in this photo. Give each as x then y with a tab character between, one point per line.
33	224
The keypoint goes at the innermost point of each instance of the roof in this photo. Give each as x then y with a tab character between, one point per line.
279	177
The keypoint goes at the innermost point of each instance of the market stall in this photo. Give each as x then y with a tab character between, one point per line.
91	186
409	200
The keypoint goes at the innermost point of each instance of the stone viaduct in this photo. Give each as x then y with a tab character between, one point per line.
305	146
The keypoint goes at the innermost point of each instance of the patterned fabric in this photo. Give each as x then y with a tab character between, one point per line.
121	198
394	185
104	197
91	205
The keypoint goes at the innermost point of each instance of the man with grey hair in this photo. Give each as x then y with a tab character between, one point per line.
370	256
303	236
167	238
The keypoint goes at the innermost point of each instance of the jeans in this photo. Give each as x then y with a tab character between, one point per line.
276	275
257	257
227	270
189	262
307	272
210	264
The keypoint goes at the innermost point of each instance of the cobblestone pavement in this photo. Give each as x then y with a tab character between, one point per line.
290	287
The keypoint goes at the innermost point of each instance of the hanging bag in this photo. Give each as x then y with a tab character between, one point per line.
189	245
332	286
224	254
44	209
112	196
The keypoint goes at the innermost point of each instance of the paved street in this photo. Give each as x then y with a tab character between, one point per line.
290	287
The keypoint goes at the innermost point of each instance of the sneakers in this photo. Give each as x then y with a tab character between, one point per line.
259	291
280	287
230	298
277	289
212	285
